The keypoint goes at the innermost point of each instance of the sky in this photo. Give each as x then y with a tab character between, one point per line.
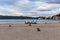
29	7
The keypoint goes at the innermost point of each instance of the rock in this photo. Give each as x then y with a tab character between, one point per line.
38	29
9	25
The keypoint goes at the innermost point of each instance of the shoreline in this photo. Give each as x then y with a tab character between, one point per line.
27	25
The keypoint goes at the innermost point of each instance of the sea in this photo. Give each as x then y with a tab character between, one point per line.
15	21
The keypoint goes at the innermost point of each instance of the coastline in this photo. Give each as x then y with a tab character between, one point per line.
35	25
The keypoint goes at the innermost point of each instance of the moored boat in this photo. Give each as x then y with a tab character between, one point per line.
30	22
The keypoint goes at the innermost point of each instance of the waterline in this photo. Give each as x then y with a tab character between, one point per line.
12	21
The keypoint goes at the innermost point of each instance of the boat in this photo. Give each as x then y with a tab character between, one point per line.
30	22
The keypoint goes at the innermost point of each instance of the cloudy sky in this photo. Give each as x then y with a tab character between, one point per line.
29	7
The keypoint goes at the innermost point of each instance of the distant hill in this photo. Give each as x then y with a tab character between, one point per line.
17	17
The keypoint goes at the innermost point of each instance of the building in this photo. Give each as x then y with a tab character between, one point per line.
56	17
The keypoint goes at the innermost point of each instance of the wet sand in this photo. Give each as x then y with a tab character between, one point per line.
50	31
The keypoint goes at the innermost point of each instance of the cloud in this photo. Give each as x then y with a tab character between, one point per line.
54	1
10	10
48	1
29	7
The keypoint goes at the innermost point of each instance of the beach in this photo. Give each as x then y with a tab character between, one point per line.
49	31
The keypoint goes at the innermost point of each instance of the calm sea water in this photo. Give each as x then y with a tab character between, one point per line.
14	21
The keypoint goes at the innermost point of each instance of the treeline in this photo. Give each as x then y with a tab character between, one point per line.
17	17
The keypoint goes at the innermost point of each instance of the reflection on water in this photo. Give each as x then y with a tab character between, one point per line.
2	21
